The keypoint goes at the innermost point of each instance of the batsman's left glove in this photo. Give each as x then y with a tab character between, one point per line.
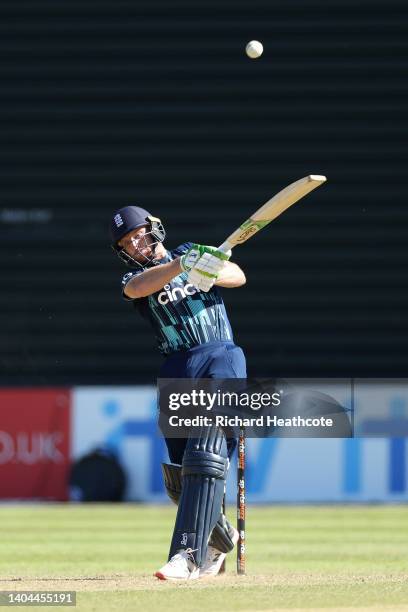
194	253
205	272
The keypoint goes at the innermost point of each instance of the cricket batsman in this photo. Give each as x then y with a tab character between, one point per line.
177	292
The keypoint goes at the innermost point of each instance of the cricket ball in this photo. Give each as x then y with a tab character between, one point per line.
254	49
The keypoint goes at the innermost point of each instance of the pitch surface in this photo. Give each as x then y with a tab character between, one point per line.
298	558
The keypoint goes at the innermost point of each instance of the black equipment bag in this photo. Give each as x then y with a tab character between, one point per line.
97	477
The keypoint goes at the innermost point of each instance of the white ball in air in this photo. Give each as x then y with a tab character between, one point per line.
254	49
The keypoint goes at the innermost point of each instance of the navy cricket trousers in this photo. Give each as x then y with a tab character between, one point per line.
210	360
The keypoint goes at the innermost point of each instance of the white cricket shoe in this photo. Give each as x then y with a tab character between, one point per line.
214	559
180	567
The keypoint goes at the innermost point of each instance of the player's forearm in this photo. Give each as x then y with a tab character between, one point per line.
153	279
231	276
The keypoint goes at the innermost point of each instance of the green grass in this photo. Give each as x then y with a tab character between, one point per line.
297	558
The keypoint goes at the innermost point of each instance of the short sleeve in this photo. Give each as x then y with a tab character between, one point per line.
126	278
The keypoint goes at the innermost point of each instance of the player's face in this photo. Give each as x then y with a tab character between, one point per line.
138	244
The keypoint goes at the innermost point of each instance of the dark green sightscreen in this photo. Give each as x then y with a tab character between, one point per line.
154	103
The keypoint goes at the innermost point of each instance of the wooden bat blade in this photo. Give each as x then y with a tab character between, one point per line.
273	208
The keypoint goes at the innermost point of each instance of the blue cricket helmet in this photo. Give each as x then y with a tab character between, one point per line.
129	218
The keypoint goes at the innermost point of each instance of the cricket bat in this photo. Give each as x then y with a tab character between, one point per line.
272	209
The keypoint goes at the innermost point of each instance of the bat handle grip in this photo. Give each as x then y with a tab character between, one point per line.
225	247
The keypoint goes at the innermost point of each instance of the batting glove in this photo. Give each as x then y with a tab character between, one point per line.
189	259
205	272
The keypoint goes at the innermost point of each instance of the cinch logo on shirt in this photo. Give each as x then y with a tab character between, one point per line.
173	295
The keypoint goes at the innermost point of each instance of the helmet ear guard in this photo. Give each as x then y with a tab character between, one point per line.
125	257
